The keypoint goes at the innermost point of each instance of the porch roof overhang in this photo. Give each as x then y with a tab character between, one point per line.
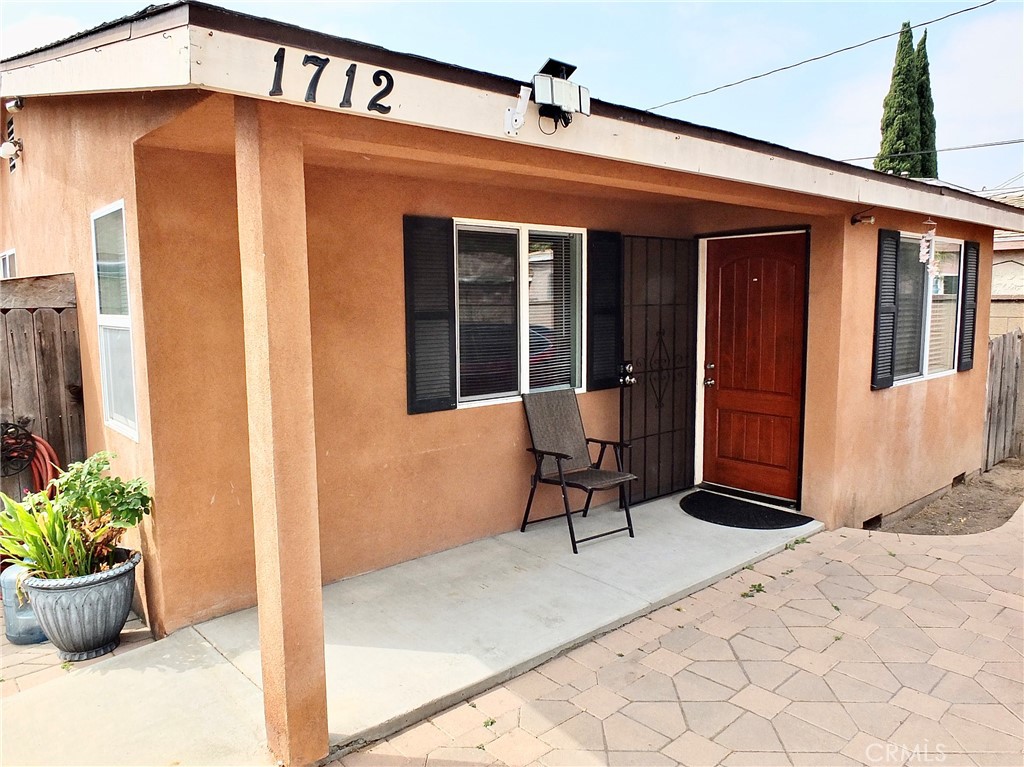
192	45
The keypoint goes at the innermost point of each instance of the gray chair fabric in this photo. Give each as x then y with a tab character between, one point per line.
562	455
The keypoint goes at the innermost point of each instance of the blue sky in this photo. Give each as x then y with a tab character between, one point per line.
642	54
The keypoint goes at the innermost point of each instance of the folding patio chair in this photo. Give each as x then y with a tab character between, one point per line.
561	451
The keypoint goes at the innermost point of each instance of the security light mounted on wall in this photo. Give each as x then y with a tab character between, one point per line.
555	95
558	98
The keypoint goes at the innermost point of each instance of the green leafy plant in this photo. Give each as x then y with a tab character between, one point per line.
86	489
756	588
73	527
36	535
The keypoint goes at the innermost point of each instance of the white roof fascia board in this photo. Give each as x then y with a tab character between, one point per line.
152	62
192	56
245	66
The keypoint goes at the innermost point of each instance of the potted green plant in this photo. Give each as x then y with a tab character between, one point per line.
79	581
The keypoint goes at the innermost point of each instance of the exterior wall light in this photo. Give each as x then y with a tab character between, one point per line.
14	105
860	219
11	150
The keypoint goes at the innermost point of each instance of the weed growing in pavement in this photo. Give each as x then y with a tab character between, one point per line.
755	588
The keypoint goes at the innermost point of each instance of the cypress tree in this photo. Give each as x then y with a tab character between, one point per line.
929	161
901	115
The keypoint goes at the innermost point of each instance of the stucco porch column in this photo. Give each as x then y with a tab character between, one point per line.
282	449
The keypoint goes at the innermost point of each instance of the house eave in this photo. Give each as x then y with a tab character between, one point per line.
192	45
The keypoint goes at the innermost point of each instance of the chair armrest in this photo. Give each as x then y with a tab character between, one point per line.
608	442
551	453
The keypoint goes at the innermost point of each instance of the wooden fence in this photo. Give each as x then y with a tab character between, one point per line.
41	368
1004	414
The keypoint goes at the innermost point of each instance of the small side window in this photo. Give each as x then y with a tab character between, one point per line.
117	368
8	266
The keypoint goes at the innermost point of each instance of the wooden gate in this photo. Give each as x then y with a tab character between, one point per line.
660	338
1004	412
41	368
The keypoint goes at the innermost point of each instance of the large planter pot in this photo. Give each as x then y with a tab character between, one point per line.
83	616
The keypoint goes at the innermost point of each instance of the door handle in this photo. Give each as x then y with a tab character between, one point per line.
709	381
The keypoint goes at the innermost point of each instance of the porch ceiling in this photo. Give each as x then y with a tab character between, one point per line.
343	142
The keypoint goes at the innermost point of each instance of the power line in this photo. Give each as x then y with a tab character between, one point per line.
947	149
1009	181
817	58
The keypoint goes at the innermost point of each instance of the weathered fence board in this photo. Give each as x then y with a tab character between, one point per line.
52	291
6	408
51	394
1004	411
74	409
24	375
40	368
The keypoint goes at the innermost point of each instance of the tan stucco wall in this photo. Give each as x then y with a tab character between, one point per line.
394	486
900	444
191	285
1007	291
77	159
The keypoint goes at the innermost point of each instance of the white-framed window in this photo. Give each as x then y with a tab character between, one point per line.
926	305
8	265
117	369
927	301
519	308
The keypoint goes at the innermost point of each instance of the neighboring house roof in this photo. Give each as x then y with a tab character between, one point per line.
190	45
1003	239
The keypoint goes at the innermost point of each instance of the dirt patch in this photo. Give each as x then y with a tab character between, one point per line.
984	503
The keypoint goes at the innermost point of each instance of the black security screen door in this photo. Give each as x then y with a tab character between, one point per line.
660	338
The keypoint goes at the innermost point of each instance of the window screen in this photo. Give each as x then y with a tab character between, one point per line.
111	270
487	266
115	335
554	309
910	287
945	289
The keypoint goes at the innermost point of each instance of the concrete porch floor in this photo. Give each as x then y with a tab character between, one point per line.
401	643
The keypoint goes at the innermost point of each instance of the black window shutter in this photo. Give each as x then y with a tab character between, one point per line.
968	305
430	313
604	309
885	310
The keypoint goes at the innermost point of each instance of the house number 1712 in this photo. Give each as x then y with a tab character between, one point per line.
381	78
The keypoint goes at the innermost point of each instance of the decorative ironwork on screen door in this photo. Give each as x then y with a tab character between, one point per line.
659	328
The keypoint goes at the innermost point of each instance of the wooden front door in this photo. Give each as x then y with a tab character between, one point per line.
660	339
754	362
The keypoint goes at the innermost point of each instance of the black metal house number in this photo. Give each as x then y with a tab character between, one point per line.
381	78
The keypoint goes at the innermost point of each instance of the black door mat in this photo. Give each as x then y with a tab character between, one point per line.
733	512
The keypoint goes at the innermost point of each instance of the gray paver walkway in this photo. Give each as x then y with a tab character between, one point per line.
401	643
863	648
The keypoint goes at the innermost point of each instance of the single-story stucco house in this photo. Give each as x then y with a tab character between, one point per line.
314	277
